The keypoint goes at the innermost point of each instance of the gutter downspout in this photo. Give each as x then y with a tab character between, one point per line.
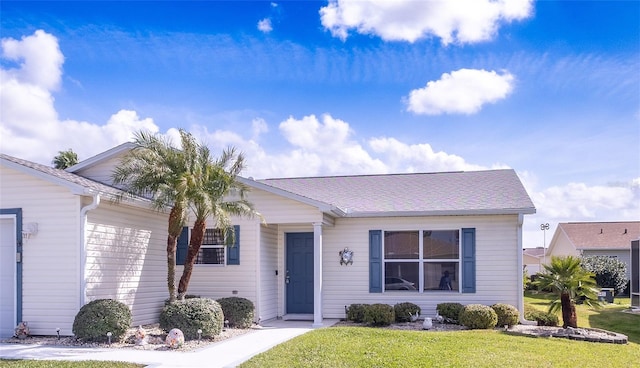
83	246
520	274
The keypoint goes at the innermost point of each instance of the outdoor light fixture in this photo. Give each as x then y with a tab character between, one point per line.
346	256
199	334
109	336
58	332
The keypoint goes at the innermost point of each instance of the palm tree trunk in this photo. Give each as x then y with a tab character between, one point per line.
175	228
569	316
197	236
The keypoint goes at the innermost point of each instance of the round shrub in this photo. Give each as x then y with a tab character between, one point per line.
450	311
98	317
379	315
404	311
543	318
238	311
355	312
190	315
507	314
478	316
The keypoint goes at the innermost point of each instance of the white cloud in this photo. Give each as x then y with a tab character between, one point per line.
29	118
463	91
460	21
265	25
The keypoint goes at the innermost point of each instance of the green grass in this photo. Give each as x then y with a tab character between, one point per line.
65	364
369	347
610	317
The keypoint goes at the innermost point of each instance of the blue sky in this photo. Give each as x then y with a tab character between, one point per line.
305	88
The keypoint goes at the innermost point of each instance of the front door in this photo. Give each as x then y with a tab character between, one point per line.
7	276
299	273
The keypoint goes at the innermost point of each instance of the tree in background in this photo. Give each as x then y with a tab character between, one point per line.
610	272
218	194
156	170
569	281
65	159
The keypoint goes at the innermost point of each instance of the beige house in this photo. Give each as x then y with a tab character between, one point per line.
533	260
71	244
612	239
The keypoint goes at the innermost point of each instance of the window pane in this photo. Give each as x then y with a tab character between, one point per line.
441	276
213	237
401	245
401	275
441	244
210	256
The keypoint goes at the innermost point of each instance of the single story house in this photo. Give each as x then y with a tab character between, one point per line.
611	239
533	259
325	243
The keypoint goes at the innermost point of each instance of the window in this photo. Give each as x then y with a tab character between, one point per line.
424	260
213	248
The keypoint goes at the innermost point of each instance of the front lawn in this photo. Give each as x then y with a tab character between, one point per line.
374	347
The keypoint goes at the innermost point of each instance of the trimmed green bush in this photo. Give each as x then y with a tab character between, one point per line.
98	317
379	315
355	312
507	314
190	315
404	311
543	318
478	316
450	311
238	311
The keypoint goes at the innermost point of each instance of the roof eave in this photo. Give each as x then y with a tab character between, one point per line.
101	157
514	211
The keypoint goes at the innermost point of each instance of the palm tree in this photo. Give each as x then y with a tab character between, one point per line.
65	159
569	281
217	194
155	169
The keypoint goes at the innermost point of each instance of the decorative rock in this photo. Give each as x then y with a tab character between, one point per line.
22	330
175	338
427	323
141	336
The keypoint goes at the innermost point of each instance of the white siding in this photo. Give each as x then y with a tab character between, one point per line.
562	247
497	270
214	281
279	210
51	278
127	259
268	268
101	172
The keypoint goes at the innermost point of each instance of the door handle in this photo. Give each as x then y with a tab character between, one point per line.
287	278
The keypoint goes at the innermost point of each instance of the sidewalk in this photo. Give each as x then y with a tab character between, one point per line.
227	353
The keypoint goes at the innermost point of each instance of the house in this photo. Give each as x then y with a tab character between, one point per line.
533	259
584	239
70	243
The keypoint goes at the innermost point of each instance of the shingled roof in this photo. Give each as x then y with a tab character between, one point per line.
601	235
446	193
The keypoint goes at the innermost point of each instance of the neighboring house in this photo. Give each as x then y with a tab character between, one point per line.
407	227
611	239
533	258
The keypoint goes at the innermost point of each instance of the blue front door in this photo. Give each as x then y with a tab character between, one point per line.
299	273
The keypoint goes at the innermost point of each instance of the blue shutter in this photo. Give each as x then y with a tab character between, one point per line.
233	252
375	261
183	246
469	260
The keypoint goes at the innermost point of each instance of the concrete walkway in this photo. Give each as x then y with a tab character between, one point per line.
227	353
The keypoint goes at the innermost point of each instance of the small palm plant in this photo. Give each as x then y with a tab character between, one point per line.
569	281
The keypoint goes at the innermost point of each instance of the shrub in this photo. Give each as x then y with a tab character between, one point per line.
507	314
98	317
355	312
476	316
450	311
543	318
190	315
609	272
379	315
404	311
238	311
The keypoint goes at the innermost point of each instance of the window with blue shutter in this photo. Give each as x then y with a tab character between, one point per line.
183	246
375	261
233	252
469	260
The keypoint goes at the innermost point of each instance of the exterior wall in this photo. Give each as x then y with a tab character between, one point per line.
533	264
561	247
623	255
497	270
101	172
278	210
126	259
51	277
221	281
268	306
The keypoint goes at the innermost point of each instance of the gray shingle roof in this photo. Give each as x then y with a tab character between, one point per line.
476	192
61	177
